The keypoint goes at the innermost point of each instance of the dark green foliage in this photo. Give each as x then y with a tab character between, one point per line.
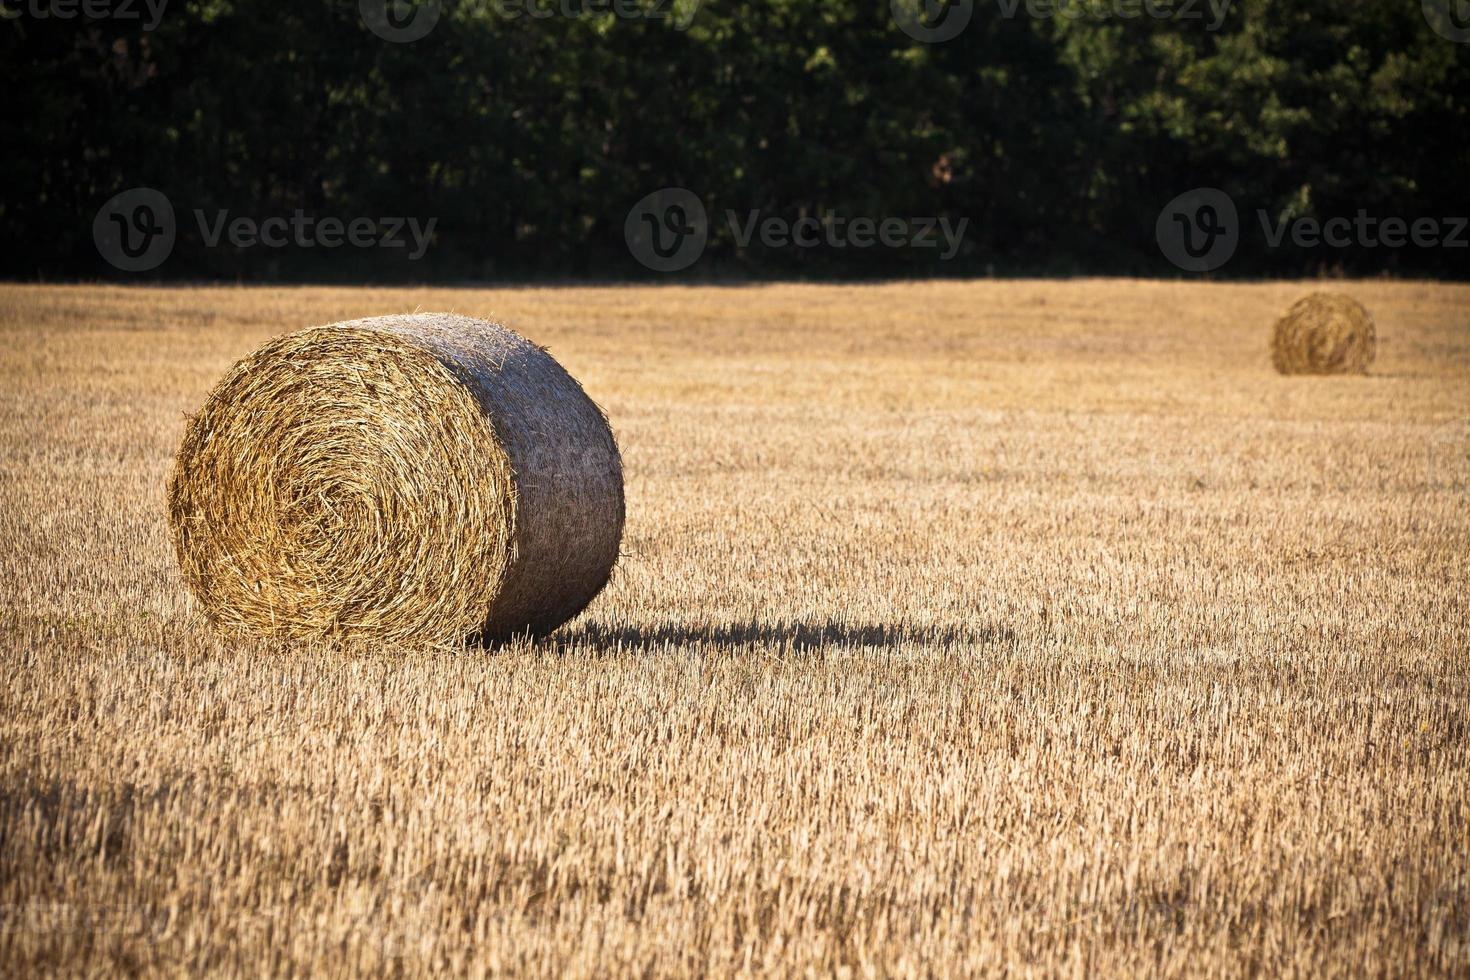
1059	138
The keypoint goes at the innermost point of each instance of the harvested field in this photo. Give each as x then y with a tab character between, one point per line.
959	626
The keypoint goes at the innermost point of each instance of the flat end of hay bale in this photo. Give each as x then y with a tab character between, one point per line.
1324	333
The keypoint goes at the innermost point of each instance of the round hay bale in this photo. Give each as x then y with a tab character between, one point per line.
426	478
1324	333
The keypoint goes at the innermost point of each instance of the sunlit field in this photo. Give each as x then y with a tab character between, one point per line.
960	628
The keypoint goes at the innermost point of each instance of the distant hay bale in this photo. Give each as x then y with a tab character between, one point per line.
425	478
1324	333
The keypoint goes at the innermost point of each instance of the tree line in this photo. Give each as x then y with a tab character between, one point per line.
526	130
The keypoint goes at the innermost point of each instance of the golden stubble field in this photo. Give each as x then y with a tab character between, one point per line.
961	627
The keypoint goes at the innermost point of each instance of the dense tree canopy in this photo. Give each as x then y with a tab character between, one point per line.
1057	129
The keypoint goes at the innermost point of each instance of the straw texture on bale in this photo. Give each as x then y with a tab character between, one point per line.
422	478
1324	333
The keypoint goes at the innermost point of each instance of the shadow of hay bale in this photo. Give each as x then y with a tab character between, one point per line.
797	637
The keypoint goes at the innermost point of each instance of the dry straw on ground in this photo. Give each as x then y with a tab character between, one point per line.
1324	333
405	478
1041	634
